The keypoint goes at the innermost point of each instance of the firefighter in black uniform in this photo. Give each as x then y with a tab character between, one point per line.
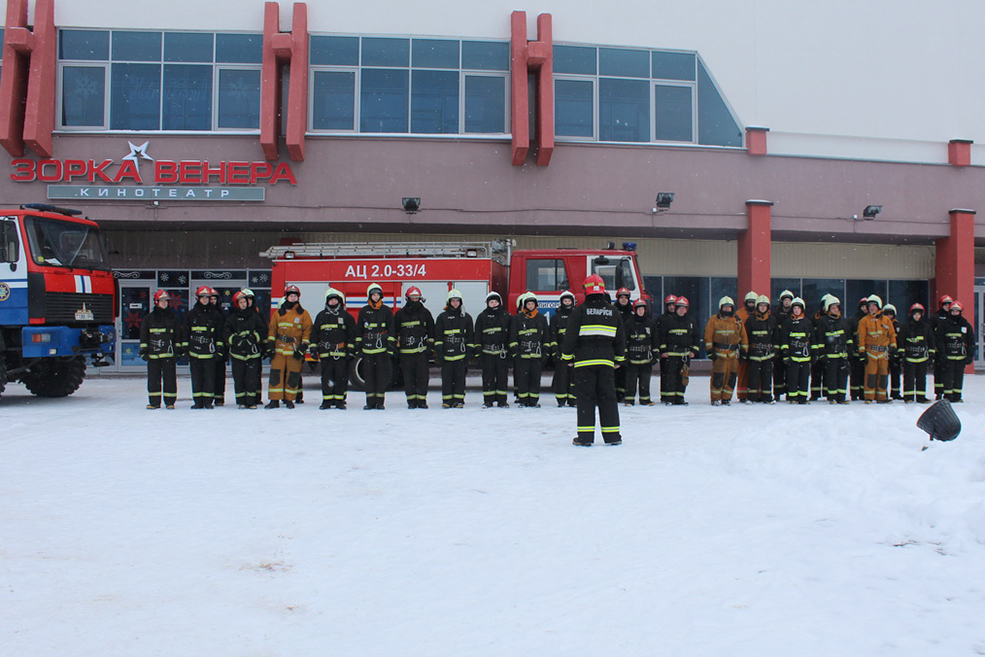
414	325
245	335
594	345
625	308
564	386
857	362
203	332
943	311
375	341
333	337
669	309
796	338
640	349
492	337
530	340
761	330
782	314
160	347
834	342
679	342
955	349
817	367
453	345
895	356
918	347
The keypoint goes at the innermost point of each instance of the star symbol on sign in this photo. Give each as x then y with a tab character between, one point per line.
138	153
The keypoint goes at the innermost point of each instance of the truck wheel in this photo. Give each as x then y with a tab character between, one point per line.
356	379
50	377
3	374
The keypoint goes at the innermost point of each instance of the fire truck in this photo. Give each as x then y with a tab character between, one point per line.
474	268
57	299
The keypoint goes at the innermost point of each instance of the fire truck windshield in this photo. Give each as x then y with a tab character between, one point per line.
616	273
65	244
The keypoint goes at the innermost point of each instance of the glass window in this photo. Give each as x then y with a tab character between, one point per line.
188	47
434	102
239	98
83	96
435	53
674	113
334	51
187	97
485	104
616	272
486	55
574	108
135	92
673	65
654	286
855	289
83	44
778	285
385	51
575	59
239	48
65	244
725	286
815	288
624	110
904	294
546	275
624	63
136	46
383	100
715	123
334	102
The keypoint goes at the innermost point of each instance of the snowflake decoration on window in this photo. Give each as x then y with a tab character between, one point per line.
183	280
165	277
85	86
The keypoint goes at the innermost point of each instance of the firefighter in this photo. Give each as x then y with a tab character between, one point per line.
625	307
833	340
760	331
375	341
918	345
679	342
780	370
896	357
160	347
288	336
203	331
563	384
219	394
955	349
796	336
857	369
594	345
669	307
492	335
415	326
453	344
640	347
876	341
333	337
943	311
530	338
244	335
817	365
748	309
724	338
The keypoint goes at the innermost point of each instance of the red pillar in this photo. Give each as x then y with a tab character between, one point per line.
959	152
756	141
754	249
955	262
538	57
280	48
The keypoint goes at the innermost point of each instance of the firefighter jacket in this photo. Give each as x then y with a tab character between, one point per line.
876	336
916	341
415	326
796	339
203	332
453	336
492	331
530	336
833	336
725	336
375	329
334	333
761	331
290	329
245	334
658	327
625	312
937	318
559	326
955	340
596	334
679	336
855	320
640	340
160	334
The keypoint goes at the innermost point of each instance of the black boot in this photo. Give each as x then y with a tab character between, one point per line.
273	403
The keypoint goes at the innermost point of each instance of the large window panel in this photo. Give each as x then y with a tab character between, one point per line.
576	60
674	112
334	100
239	48
239	98
574	108
434	102
83	44
435	53
383	100
83	96
624	63
486	55
904	294
187	97
673	65
716	126
485	104
135	93
188	47
136	46
815	288
378	51
624	110
334	51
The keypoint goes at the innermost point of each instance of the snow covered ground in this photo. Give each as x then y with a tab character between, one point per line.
736	531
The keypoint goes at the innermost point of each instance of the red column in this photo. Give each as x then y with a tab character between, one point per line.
280	48
754	249
955	262
536	56
959	152
756	140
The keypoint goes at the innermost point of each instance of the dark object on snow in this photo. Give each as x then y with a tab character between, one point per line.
940	421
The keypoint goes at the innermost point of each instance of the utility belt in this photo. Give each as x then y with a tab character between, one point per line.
494	350
530	349
283	337
721	346
876	348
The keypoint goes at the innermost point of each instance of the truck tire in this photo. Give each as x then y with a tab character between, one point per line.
3	374
356	380
55	377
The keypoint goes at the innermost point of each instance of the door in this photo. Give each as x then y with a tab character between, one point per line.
135	302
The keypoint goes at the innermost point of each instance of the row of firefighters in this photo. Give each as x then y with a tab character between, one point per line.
760	354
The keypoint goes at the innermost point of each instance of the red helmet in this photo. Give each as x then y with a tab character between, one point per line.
639	303
623	292
203	291
212	292
946	298
956	305
239	295
413	290
292	289
864	301
917	306
670	299
161	295
682	301
594	285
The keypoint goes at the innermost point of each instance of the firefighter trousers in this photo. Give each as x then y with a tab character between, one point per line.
162	371
915	381
203	380
857	368
620	378
779	381
526	380
453	381
759	380
495	378
334	379
638	376
724	371
664	380
939	368
285	377
895	374
953	379
798	380
877	377
742	380
563	384
416	374
836	378
246	381
817	380
219	394
595	387
673	371
377	371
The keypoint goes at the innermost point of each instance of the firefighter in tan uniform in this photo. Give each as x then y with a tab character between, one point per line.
876	341
724	338
290	333
747	310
